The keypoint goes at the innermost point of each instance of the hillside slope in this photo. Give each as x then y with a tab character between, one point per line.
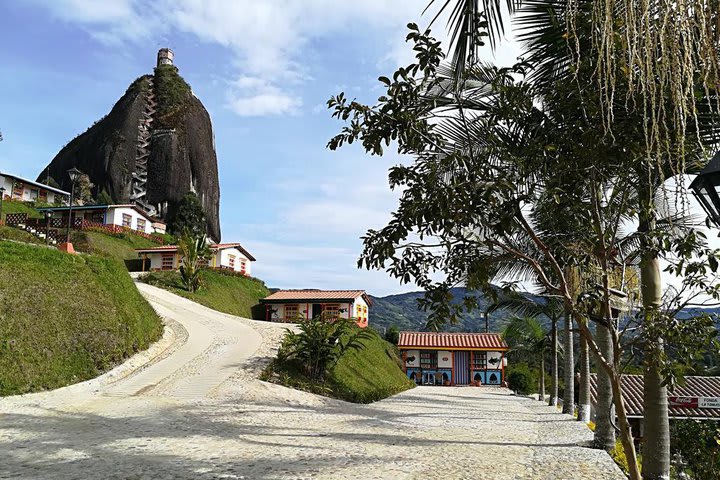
66	318
231	294
402	311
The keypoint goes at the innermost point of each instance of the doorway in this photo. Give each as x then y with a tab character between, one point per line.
316	310
462	368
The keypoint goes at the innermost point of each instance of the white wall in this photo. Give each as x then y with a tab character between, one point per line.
222	259
156	260
305	309
409	355
7	183
442	354
355	310
115	217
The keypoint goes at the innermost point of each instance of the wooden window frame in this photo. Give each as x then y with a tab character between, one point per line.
163	263
128	217
292	306
143	222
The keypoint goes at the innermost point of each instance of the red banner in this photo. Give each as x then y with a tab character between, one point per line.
683	402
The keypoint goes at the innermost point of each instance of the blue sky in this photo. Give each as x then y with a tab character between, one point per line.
264	70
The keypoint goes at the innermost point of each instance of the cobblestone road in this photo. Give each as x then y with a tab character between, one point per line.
236	427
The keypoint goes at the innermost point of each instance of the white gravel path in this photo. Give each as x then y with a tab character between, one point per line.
191	408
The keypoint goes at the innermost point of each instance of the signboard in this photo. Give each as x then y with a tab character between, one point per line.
694	402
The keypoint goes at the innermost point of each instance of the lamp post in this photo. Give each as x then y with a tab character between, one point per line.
2	194
74	175
706	188
48	215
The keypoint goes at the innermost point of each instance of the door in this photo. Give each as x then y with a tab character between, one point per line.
462	368
316	310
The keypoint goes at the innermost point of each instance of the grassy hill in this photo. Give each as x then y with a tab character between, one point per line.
225	293
10	233
66	318
119	246
15	206
361	376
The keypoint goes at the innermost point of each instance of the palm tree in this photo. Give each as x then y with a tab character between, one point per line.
545	29
527	335
548	307
193	253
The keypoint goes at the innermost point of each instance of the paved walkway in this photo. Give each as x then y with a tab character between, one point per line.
191	408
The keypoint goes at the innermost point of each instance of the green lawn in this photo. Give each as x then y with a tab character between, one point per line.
14	206
66	318
361	376
11	233
121	246
225	293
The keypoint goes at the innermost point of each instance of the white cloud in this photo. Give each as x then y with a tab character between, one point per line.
252	96
266	38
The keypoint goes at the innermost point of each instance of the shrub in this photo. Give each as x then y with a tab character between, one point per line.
392	335
521	379
696	447
318	346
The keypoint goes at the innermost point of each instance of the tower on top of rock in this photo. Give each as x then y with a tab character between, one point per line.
165	56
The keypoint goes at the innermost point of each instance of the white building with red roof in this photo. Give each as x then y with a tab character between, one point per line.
295	305
230	256
447	358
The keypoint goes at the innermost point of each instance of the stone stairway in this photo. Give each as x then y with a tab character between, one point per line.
39	232
139	176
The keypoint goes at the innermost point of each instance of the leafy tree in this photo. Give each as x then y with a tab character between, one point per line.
83	190
320	343
550	308
489	166
526	334
392	334
193	254
521	379
188	216
104	198
696	445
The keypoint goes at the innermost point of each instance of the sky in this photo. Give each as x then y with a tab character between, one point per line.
264	70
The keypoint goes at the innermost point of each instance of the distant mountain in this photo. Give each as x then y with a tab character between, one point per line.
402	311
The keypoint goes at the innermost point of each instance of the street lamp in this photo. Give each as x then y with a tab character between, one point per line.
74	175
706	188
2	194
48	215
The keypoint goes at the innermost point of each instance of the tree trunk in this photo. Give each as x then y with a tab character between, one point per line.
604	409
569	366
656	436
554	364
625	432
541	395
584	394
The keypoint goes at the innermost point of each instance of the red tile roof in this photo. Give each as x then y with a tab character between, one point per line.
452	341
217	246
315	295
632	387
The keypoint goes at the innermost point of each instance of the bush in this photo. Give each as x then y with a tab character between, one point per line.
522	379
392	335
318	346
696	447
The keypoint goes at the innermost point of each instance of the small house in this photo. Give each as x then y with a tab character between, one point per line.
230	256
121	216
697	399
22	189
293	305
445	358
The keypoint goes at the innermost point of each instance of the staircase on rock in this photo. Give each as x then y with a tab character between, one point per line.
140	175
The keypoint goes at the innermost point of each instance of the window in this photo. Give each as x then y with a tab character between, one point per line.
141	224
43	196
126	220
168	261
243	265
231	261
291	312
34	194
428	359
332	310
479	361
